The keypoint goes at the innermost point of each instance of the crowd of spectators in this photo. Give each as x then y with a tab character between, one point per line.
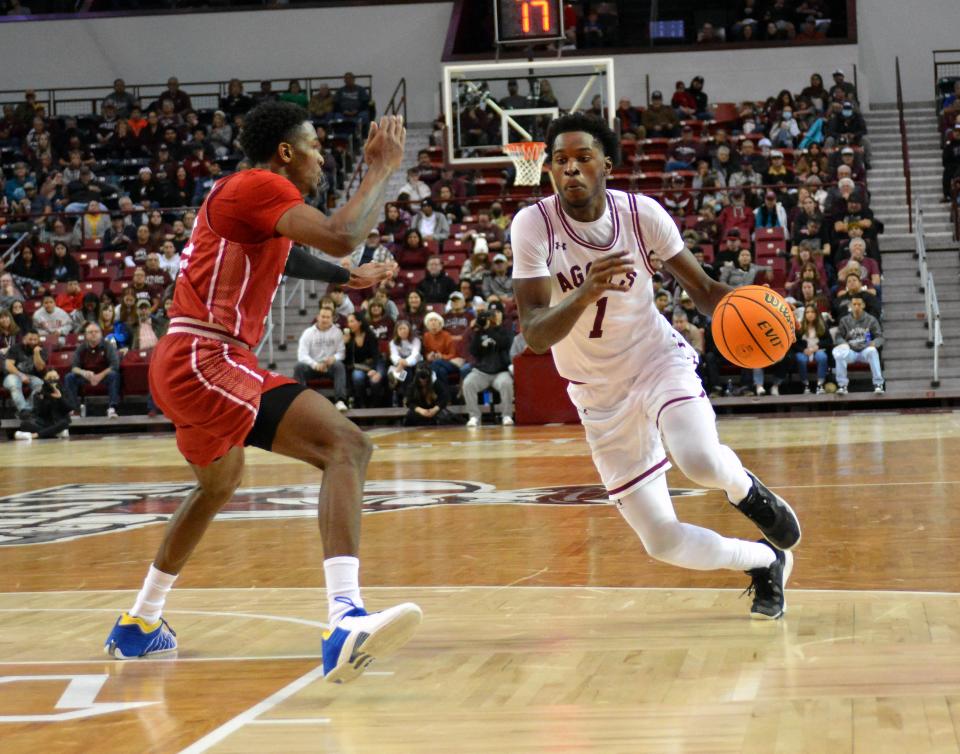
949	113
767	192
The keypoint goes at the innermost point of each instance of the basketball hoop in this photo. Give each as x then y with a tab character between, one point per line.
527	157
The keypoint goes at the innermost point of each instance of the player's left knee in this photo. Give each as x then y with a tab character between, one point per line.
698	464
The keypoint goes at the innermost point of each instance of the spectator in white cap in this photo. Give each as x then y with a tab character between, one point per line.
458	317
220	134
848	157
498	282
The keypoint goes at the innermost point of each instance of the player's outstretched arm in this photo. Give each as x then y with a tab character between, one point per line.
346	228
705	292
544	325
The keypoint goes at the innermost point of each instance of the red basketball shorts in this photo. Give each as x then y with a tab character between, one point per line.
210	390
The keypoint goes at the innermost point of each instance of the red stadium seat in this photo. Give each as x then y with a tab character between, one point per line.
767	250
412	278
133	371
61	361
770	234
489	186
100	274
92	286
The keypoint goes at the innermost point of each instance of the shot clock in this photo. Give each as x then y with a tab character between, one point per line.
528	21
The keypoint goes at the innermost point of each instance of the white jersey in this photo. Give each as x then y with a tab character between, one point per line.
623	332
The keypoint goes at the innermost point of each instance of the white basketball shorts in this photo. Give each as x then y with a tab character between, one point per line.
622	419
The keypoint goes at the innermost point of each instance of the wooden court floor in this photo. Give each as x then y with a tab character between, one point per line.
547	628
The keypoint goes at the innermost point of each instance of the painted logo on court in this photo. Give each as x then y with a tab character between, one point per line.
71	511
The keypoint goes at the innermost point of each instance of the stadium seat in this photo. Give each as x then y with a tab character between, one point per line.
412	278
61	361
92	286
133	370
770	234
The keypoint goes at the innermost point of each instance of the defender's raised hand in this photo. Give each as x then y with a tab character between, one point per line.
384	147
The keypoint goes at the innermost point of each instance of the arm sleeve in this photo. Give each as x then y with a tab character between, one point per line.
305	266
659	231
246	207
394	353
530	246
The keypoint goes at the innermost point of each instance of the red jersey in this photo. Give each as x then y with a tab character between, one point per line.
232	266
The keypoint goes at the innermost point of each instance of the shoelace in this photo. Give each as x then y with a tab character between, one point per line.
762	587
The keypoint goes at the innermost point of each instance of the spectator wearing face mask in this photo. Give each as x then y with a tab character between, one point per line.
848	127
785	132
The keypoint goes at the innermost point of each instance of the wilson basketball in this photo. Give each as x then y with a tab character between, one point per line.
753	327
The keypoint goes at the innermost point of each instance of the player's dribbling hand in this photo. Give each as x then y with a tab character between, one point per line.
608	273
371	273
384	147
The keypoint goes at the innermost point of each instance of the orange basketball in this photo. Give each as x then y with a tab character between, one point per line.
753	327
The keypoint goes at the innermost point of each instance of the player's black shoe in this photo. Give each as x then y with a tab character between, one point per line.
768	584
771	514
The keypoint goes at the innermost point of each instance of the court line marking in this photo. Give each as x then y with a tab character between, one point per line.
292	721
143	660
249	715
433	587
259	616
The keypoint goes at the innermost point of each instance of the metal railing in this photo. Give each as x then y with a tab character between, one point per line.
904	147
10	254
87	100
946	64
931	306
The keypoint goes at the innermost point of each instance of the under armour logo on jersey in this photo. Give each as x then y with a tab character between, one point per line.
559	245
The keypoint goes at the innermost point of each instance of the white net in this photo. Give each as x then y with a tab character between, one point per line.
527	157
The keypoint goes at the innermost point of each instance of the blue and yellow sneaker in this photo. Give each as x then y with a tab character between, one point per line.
133	637
359	637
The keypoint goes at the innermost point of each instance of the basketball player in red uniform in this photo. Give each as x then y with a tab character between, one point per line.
205	377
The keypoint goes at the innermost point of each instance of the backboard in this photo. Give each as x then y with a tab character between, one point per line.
481	114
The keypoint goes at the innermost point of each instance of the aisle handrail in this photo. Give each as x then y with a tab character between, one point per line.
931	306
904	147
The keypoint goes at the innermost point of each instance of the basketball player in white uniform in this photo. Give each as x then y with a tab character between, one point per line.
583	287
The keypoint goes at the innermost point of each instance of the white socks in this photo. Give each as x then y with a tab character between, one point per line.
650	513
343	580
150	601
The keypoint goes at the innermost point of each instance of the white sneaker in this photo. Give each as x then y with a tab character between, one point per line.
473	422
18	435
111	413
340	406
761	390
359	638
775	390
508	421
65	435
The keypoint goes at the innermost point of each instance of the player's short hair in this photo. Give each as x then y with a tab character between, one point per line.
597	128
267	125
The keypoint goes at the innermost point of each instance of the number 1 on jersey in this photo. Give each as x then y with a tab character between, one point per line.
597	331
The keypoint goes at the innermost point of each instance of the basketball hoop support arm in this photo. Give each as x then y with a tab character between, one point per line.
499	110
583	93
